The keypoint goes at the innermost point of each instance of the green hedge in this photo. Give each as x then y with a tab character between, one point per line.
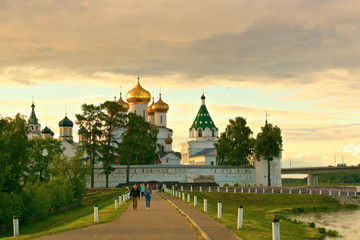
36	200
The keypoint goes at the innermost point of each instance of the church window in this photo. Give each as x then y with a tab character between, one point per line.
212	163
144	113
162	148
213	132
200	132
160	119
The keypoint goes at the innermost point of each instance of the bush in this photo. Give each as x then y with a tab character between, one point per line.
226	185
236	184
312	225
11	205
60	191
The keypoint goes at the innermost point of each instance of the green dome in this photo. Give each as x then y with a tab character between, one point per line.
66	122
82	130
47	130
203	119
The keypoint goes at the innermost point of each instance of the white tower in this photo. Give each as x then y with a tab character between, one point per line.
160	109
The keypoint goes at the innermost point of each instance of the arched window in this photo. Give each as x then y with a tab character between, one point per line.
200	132
213	132
144	113
161	119
162	148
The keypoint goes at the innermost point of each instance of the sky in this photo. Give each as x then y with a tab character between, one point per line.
297	60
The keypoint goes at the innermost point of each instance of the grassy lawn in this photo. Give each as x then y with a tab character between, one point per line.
260	209
78	217
321	184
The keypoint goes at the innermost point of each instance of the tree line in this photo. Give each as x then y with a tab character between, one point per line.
237	147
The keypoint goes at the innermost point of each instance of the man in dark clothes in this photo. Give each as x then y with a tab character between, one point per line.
135	193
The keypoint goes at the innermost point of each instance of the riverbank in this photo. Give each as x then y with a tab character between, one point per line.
260	209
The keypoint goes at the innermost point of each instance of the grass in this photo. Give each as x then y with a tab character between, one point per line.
321	184
75	218
260	209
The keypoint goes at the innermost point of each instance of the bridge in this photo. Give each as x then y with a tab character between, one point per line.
312	179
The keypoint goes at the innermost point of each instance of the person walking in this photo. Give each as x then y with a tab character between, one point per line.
142	190
135	193
148	193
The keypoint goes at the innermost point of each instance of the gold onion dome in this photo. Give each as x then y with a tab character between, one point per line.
138	95
160	106
150	107
168	140
124	105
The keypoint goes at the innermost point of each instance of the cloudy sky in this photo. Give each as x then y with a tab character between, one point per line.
298	60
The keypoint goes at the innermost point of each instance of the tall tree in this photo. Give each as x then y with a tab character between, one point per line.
235	144
41	154
90	120
268	145
139	143
108	149
13	152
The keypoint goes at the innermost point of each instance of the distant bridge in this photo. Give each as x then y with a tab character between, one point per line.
314	171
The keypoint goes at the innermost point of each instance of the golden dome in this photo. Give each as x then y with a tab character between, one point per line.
138	95
150	109
160	106
124	105
168	140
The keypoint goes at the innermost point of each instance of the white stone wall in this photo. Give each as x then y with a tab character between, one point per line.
262	172
220	174
191	147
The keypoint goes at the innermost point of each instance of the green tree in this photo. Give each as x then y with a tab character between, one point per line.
41	154
268	145
235	144
76	169
139	143
109	145
90	120
13	152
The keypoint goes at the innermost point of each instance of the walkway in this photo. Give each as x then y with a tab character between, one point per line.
161	222
208	225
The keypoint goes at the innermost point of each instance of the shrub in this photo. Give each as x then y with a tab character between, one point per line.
312	225
10	205
236	184
226	185
60	191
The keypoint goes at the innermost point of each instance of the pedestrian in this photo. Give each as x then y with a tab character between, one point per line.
148	193
135	193
142	189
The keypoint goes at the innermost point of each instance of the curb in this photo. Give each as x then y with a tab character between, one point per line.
203	233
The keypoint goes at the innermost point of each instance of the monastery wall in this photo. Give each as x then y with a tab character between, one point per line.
180	173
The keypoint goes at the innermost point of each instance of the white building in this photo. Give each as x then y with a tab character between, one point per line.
203	134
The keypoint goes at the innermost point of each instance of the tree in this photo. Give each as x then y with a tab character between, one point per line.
268	145
75	169
13	152
90	120
41	154
139	143
108	144
235	144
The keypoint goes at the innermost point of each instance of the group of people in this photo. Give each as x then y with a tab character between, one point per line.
142	191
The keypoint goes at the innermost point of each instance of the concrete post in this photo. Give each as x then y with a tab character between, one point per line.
339	192
218	189
116	203
242	190
240	217
200	189
276	229
330	192
120	202
195	201
205	205
290	191
300	191
96	213
255	190
234	189
347	193
188	198
172	187
355	193
249	191
226	189
183	196
263	190
191	188
182	188
179	194
310	192
272	190
219	209
320	192
16	226
280	190
209	189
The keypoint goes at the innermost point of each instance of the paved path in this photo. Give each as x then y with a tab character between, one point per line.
161	222
212	228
